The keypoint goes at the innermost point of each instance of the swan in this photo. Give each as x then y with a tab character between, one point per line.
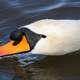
47	37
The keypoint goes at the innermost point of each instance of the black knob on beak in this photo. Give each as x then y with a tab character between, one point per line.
16	36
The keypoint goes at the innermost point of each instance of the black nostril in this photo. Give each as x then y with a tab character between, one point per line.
16	36
15	43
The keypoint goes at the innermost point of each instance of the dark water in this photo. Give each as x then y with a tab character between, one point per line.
51	68
16	13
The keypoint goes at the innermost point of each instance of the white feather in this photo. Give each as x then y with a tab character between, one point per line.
63	36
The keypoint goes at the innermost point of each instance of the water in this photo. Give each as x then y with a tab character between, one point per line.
16	13
50	68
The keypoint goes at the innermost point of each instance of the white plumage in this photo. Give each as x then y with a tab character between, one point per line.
63	36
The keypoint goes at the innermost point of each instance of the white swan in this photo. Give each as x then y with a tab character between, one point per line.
62	36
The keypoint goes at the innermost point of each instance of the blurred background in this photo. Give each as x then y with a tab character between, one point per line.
16	13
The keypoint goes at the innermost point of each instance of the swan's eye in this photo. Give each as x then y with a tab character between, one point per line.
43	36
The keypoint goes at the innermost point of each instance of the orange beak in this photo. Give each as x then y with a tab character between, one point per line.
9	48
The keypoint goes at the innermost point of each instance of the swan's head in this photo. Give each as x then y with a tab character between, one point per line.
22	40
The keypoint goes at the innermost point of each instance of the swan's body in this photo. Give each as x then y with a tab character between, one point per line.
63	36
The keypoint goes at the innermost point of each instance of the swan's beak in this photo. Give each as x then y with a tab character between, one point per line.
9	48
